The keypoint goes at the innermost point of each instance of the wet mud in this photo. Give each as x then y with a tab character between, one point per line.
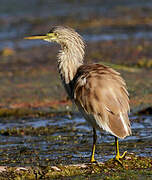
64	140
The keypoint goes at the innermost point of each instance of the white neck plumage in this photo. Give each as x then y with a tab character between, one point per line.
70	58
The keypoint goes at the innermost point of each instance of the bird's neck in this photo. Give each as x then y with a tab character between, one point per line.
69	60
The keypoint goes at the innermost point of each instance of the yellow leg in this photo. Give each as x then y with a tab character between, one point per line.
118	157
94	146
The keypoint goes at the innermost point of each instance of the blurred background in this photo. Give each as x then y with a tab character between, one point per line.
117	33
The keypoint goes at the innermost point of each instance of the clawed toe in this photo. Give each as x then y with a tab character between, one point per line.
118	157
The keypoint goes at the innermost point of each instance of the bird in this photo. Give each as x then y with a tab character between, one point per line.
99	92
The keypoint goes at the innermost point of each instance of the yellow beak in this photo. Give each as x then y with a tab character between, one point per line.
37	37
46	37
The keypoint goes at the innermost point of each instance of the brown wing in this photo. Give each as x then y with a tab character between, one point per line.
102	94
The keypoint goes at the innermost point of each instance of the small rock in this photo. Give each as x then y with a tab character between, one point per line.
55	168
3	168
21	169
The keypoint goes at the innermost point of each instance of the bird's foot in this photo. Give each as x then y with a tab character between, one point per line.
92	160
118	157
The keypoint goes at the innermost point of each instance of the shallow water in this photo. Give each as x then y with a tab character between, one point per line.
17	19
66	140
87	37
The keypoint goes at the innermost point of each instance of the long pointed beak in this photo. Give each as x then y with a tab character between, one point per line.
37	37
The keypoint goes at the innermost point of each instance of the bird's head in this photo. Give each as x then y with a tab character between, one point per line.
65	36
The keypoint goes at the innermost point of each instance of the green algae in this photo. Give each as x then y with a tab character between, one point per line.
46	168
32	112
133	168
122	67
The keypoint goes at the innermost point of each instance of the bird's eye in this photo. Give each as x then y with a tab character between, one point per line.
56	34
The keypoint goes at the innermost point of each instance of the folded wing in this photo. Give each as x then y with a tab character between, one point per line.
101	93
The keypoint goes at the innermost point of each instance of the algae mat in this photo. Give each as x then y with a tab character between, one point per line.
60	146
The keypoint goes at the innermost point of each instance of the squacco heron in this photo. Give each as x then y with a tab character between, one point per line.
98	91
